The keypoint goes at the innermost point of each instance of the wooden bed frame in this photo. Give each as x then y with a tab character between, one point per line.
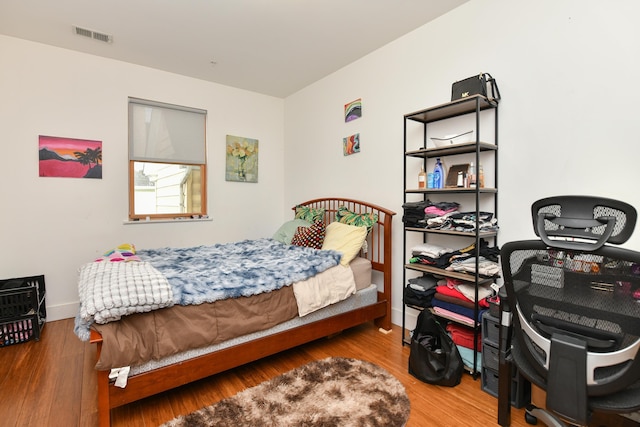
158	380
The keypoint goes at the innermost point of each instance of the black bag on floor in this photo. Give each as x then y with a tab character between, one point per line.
434	358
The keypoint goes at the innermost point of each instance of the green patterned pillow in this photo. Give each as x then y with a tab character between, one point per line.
309	214
345	216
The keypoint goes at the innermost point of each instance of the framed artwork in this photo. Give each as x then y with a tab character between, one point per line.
351	144
456	175
69	157
242	159
353	110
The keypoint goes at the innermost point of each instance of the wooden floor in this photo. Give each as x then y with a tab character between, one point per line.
51	383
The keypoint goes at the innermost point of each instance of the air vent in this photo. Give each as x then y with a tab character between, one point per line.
93	34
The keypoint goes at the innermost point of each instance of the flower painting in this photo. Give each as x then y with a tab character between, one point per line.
242	159
69	157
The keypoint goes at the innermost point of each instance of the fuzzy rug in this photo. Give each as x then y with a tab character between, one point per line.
331	392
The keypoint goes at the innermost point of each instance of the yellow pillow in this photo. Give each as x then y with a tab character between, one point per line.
344	238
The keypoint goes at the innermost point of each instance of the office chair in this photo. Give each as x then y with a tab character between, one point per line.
570	318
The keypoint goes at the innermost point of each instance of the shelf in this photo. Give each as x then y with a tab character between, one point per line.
471	278
442	315
464	148
486	234
451	109
476	197
451	190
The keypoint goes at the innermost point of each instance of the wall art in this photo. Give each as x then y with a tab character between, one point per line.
353	110
242	159
69	157
351	144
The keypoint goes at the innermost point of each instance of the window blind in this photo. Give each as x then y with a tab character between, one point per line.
166	133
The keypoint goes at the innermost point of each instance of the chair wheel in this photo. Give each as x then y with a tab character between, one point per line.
530	419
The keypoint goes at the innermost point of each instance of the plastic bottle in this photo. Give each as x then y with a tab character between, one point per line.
422	178
481	176
472	176
438	175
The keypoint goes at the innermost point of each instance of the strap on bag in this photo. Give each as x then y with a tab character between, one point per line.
495	92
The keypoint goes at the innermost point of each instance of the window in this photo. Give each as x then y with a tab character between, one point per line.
167	160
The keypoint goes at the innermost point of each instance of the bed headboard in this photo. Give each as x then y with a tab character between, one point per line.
378	241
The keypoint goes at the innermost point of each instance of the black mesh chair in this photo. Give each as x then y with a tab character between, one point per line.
570	319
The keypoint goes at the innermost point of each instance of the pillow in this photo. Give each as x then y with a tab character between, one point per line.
288	229
309	214
345	216
124	252
312	236
344	238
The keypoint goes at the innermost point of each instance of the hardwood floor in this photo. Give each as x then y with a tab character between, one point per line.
51	383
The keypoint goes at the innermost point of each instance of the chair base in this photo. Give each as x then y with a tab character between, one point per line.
533	414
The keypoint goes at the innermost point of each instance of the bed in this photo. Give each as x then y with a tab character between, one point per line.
370	304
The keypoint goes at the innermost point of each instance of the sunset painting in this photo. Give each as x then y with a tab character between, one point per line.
69	157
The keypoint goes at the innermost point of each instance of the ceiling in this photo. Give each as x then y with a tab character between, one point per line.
274	47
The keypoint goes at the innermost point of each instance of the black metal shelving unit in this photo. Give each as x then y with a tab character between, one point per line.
472	107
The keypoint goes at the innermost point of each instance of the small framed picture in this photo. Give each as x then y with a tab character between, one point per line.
456	175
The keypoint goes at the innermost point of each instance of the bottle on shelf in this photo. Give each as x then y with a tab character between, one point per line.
438	174
480	176
422	178
472	176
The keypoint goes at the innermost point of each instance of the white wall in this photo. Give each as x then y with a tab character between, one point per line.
567	119
52	225
566	126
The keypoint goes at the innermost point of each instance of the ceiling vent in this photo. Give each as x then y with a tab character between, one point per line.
107	38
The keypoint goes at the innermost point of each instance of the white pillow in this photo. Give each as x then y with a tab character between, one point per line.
346	239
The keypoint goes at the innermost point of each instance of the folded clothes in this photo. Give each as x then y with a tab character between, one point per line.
463	336
429	250
418	298
439	311
427	281
458	309
467	357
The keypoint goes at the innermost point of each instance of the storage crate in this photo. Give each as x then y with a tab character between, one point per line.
520	386
22	309
490	357
490	329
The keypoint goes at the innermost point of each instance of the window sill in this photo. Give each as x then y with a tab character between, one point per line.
165	221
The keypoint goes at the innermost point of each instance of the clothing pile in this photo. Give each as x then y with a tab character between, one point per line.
455	299
464	221
461	260
446	216
420	290
414	215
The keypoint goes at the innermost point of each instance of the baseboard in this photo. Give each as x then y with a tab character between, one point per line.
62	311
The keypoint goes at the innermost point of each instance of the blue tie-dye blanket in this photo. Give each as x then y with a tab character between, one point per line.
169	276
250	267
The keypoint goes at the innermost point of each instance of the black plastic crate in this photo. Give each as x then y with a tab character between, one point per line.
490	329
520	386
22	309
490	357
19	331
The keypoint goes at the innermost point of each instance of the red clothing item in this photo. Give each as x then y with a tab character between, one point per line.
452	292
464	336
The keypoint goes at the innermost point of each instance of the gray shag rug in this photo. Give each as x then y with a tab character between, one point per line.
331	392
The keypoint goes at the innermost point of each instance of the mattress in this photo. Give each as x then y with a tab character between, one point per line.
139	338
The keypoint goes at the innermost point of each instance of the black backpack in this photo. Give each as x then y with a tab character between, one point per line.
434	358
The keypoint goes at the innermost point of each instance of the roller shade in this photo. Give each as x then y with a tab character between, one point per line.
166	133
